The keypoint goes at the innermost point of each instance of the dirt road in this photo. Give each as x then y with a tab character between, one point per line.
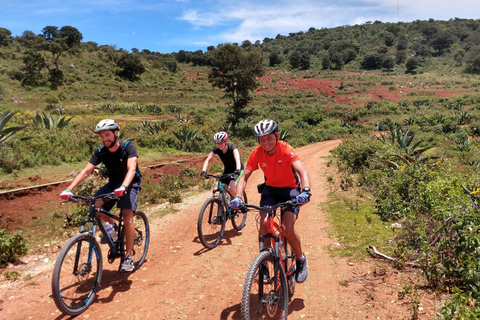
182	280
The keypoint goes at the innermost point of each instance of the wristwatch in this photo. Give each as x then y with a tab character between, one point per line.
306	189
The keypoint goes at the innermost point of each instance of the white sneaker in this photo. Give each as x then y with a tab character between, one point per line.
127	265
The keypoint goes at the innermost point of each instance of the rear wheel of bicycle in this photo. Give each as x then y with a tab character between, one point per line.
142	238
290	268
211	223
258	296
239	218
77	275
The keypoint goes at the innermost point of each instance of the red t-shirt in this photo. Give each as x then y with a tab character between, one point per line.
277	168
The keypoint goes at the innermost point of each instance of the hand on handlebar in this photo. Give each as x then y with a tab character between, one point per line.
117	193
237	172
303	197
65	195
203	174
236	202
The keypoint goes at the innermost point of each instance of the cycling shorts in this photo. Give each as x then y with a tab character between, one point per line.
272	195
129	199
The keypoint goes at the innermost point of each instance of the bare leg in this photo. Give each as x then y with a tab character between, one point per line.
288	229
129	230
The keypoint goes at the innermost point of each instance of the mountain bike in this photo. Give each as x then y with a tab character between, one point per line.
78	269
216	211
270	280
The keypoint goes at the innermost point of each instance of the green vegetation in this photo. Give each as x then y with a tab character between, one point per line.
422	169
435	201
11	246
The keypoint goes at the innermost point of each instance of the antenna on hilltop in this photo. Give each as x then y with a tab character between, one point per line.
398	12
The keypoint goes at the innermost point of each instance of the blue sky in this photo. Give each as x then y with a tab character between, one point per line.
172	25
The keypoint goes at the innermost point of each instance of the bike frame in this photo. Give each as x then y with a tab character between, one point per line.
116	249
272	227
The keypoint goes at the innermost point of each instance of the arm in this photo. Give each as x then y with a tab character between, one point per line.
242	182
209	159
131	166
238	162
302	172
81	176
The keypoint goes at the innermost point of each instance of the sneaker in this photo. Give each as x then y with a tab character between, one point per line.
127	265
266	277
302	271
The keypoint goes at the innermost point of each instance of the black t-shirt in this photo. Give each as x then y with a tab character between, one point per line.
116	162
227	158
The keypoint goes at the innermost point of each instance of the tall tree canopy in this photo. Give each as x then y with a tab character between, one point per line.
236	70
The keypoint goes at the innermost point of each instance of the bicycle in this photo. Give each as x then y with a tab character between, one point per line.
78	269
215	212
268	298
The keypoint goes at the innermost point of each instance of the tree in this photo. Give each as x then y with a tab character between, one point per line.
71	36
300	59
34	63
5	37
235	70
131	66
372	61
412	64
472	59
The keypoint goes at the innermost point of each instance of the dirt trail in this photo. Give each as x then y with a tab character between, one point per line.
182	280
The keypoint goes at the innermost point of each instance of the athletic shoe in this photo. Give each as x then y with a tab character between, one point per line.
302	271
127	265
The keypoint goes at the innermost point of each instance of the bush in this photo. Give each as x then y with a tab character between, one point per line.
11	247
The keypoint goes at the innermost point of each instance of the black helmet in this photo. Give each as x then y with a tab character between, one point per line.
265	127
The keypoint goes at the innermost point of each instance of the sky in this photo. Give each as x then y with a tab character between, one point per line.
167	26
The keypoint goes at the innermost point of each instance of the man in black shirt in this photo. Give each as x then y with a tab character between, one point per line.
120	160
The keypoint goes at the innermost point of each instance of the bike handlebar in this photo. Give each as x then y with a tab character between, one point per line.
223	176
107	196
267	208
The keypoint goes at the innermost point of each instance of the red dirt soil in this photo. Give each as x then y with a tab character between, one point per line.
182	280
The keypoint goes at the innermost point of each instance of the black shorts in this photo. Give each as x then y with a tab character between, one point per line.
127	201
271	196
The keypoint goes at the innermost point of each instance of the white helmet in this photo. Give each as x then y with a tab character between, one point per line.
106	124
220	136
265	127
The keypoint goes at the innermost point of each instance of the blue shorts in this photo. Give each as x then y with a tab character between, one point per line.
127	201
271	196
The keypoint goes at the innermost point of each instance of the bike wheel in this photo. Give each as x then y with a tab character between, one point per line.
77	274
142	238
258	296
290	267
239	218
211	223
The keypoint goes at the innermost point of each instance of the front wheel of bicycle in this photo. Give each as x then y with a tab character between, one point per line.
142	238
259	298
239	218
77	274
211	223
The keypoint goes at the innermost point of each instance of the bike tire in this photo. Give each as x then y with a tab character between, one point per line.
239	218
211	223
73	294
142	238
257	298
290	266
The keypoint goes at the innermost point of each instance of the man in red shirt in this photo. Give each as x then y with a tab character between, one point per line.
282	167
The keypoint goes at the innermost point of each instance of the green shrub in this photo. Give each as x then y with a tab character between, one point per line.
11	246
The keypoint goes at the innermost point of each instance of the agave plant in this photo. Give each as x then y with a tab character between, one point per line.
410	151
185	134
8	134
48	122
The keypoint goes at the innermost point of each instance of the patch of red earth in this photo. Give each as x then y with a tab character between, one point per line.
319	86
